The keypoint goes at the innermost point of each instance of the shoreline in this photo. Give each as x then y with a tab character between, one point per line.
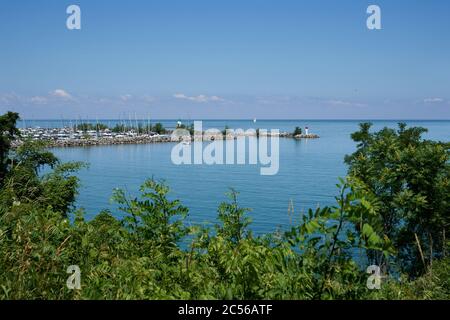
149	139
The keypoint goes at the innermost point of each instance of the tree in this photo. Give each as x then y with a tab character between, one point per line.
234	219
153	217
89	126
8	131
159	128
410	177
329	237
297	131
224	131
22	183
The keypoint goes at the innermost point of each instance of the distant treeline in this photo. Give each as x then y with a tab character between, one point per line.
118	128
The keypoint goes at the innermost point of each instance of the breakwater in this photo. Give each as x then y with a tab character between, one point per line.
65	137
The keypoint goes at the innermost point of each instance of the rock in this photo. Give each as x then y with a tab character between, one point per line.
306	136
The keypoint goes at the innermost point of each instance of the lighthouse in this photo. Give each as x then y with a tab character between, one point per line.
306	130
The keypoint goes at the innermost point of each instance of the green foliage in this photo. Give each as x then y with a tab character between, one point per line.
224	131
410	178
329	237
89	126
146	128
8	131
154	217
141	256
24	185
159	128
297	131
433	285
118	128
234	220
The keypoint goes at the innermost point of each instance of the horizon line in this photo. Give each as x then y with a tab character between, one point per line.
232	119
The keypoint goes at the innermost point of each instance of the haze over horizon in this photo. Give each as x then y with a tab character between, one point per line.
225	60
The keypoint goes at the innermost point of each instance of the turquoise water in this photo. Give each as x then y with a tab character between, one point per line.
309	171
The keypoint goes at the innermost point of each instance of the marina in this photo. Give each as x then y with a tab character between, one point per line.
87	134
67	137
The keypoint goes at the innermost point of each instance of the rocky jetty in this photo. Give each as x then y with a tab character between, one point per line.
306	136
143	139
61	138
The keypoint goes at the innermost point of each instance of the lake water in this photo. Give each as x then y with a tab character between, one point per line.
308	173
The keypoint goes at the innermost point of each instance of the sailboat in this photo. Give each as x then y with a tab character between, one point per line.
254	120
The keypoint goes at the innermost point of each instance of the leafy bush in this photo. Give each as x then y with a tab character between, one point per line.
410	178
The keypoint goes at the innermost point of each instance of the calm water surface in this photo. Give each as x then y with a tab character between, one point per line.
309	171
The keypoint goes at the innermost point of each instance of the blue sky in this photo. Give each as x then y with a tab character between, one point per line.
226	59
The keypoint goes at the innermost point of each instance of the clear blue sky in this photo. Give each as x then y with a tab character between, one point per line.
226	59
